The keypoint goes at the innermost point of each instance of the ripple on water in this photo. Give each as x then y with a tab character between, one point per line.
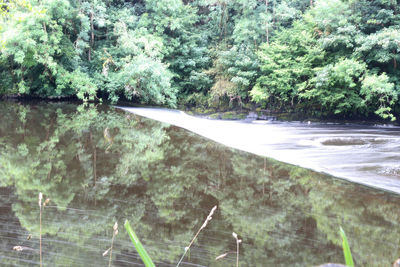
353	141
390	171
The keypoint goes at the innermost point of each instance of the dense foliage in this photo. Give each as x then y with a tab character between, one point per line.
324	58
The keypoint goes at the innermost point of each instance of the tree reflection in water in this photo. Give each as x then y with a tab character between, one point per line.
99	165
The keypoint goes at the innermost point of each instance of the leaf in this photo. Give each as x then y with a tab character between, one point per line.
138	245
346	249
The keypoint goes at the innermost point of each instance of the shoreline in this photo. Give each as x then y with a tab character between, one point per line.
243	114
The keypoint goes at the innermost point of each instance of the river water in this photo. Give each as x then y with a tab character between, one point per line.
99	165
368	155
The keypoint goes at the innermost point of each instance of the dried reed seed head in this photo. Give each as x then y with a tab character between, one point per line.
116	232
212	211
17	248
46	202
115	227
209	217
40	199
235	235
106	252
221	256
21	248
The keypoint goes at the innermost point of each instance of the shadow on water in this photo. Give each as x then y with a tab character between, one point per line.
100	165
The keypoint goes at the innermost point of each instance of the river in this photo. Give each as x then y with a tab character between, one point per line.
363	154
99	165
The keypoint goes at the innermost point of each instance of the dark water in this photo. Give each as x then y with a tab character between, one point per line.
99	165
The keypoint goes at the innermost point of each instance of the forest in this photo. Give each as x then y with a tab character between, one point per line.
327	58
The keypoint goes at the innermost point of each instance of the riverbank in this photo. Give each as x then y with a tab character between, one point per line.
247	112
262	114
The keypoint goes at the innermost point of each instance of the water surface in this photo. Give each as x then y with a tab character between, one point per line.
99	165
363	154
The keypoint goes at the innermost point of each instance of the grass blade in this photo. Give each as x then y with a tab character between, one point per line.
139	247
346	249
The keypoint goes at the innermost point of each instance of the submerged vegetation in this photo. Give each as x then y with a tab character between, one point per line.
323	58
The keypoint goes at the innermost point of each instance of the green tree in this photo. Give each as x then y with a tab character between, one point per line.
287	66
337	88
36	53
379	92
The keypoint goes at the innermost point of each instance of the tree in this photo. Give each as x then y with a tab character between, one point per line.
380	93
336	88
287	65
34	47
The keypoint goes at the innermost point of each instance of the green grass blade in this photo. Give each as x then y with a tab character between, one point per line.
346	249
139	247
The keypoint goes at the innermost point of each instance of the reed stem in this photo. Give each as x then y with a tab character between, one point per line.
115	232
238	241
40	229
237	254
209	217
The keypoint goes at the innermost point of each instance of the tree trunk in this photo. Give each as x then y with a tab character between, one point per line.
91	36
221	22
92	29
267	26
94	159
273	14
